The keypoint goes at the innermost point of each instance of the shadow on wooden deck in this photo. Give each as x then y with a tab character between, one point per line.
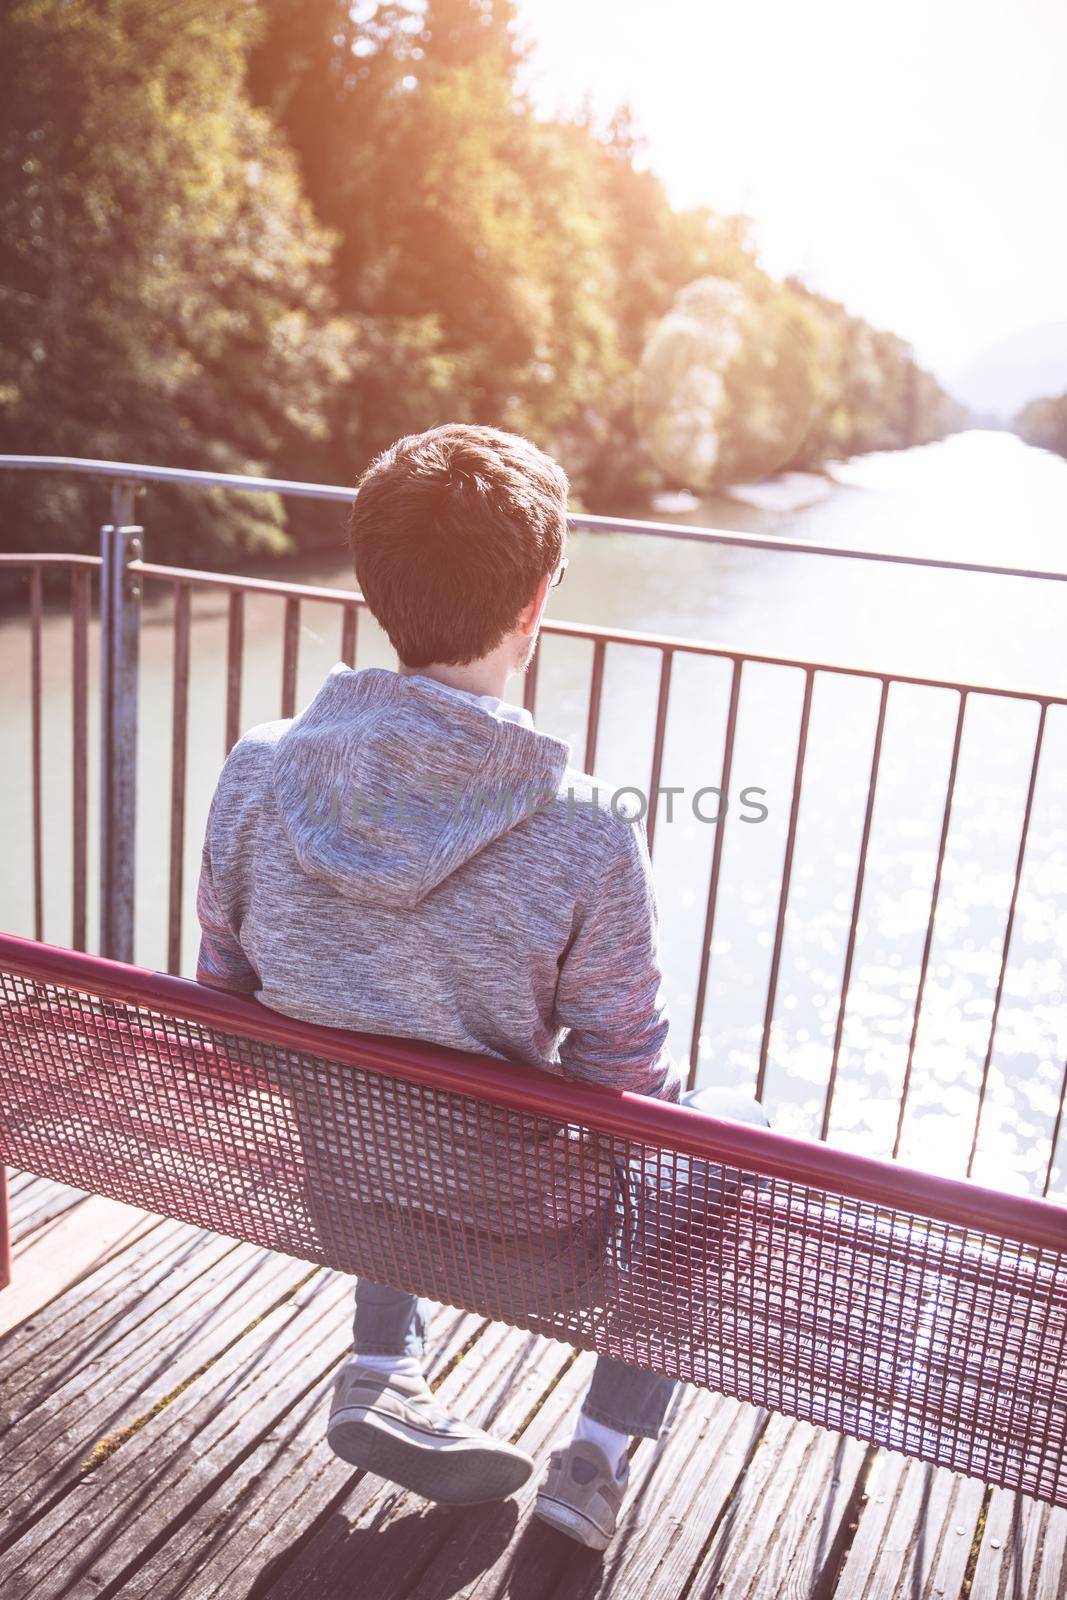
163	1399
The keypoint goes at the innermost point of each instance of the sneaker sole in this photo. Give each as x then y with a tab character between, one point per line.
575	1524
457	1473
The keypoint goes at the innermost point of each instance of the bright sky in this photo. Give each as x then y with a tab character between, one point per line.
908	157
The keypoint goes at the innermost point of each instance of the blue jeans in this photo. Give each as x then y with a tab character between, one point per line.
391	1323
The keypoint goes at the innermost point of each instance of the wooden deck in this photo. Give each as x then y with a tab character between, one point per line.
163	1399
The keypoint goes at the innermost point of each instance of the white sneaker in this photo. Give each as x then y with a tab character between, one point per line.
581	1494
391	1425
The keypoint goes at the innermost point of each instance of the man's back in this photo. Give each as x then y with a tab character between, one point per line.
410	856
399	859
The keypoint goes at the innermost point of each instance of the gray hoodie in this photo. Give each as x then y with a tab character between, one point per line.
400	859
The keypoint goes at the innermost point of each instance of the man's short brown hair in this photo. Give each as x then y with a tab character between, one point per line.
451	532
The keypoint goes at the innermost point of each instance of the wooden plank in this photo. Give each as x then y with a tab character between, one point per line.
211	1494
1023	1554
230	1487
678	1487
42	1218
81	1326
146	1340
45	1457
119	1512
33	1202
914	1534
782	1535
478	1552
267	1505
64	1253
497	1382
681	1486
51	1366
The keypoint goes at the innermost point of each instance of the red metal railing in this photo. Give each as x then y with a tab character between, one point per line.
923	1314
183	580
671	655
181	583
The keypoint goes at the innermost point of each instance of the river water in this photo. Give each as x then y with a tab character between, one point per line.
978	496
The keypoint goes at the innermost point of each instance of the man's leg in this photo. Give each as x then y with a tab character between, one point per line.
390	1327
385	1419
584	1485
583	1489
623	1403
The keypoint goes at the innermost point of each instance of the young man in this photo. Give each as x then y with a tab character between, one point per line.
525	932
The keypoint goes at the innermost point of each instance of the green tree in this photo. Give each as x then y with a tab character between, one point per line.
472	235
471	33
178	287
163	291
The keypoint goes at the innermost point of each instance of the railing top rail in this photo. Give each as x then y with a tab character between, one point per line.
234	583
592	632
136	472
959	1202
46	558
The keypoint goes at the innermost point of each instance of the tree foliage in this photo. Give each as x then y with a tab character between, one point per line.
1044	423
271	235
164	286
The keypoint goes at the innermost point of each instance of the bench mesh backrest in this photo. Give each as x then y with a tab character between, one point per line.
938	1339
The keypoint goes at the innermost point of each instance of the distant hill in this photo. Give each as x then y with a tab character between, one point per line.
1005	375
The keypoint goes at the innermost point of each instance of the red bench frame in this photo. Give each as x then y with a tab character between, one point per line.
923	1313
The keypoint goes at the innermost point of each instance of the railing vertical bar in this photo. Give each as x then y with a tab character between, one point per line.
659	739
120	643
935	897
787	874
106	693
235	642
529	685
36	610
1057	1125
596	690
857	897
716	867
349	634
178	759
79	697
290	654
1024	833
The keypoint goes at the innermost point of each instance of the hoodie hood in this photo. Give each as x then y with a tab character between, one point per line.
387	784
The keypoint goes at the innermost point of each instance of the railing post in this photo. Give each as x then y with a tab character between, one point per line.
120	634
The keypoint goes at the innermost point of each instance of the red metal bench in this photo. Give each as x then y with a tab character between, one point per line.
921	1313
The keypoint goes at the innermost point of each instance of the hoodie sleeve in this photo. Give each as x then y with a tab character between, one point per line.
221	962
610	990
